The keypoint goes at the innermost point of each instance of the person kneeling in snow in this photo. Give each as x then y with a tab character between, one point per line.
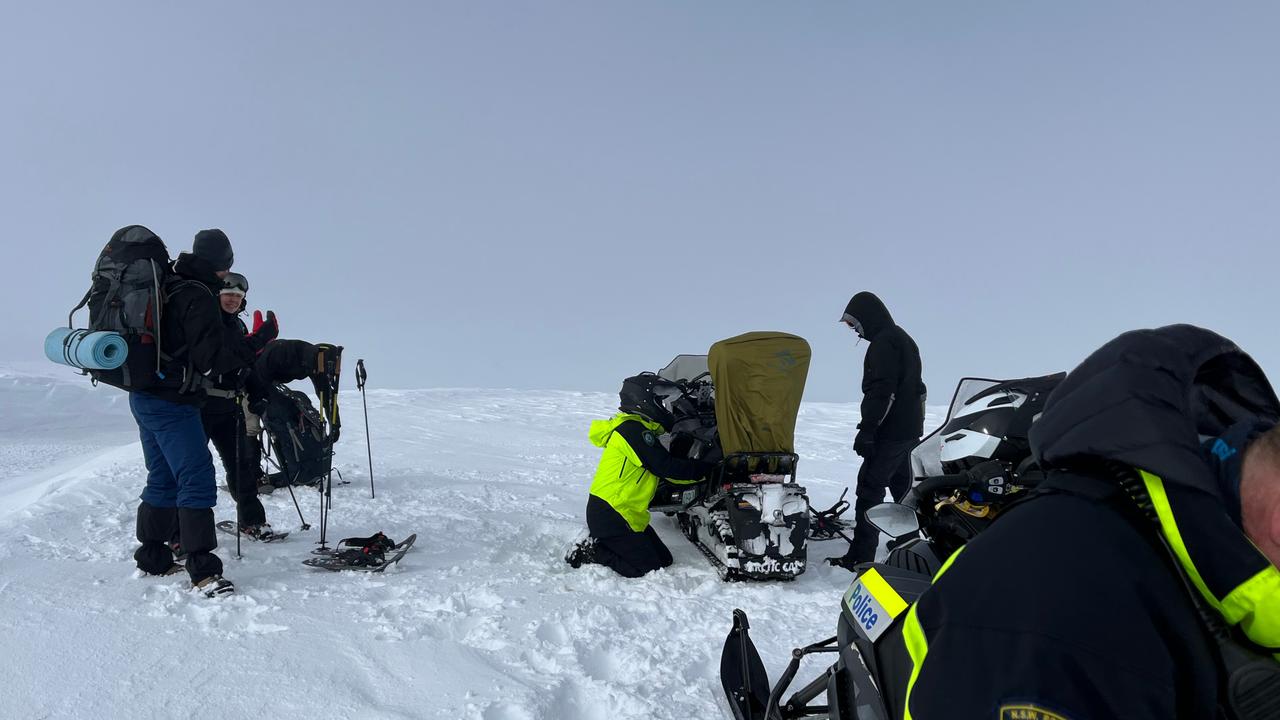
627	478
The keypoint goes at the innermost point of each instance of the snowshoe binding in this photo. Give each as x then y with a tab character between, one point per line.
257	533
828	524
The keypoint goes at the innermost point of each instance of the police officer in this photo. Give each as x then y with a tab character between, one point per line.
1141	574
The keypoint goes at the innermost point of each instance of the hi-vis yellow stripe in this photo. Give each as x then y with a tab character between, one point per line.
884	593
917	644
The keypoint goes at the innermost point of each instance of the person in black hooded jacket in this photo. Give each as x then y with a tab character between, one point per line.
228	422
1124	584
180	492
893	396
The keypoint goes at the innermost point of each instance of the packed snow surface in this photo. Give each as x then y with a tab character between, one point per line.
482	620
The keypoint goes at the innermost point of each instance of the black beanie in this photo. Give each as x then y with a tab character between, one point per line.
213	247
1226	456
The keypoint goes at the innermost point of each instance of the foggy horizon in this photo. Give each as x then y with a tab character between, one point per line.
559	195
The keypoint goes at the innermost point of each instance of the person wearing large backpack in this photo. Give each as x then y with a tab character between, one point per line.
626	479
227	421
194	344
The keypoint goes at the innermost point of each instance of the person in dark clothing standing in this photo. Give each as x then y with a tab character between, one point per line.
225	417
180	491
1142	571
893	397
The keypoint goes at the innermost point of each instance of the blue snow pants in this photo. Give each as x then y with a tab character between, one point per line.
179	467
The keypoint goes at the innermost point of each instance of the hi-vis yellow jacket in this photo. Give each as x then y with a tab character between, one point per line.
622	478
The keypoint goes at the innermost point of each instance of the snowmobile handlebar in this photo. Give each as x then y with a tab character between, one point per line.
935	483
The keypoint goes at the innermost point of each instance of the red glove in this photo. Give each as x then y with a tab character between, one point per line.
264	331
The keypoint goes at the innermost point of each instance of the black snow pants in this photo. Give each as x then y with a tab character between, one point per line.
625	551
888	467
223	426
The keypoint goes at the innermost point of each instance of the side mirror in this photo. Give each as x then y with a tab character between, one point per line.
893	519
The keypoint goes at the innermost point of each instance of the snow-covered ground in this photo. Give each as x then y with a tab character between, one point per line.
482	620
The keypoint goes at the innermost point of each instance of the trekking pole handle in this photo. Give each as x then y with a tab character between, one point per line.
361	375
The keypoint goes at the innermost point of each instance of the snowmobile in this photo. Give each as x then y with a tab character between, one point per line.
969	470
750	518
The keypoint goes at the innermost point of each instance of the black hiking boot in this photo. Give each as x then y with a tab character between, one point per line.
262	533
582	553
847	562
214	586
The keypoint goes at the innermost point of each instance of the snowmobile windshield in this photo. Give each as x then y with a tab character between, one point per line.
759	379
1000	409
926	458
684	367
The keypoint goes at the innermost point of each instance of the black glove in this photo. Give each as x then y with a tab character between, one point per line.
864	443
264	331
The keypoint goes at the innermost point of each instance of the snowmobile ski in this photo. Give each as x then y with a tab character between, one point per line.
367	559
229	527
746	683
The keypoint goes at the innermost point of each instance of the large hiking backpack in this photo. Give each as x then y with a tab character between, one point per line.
127	297
302	450
130	282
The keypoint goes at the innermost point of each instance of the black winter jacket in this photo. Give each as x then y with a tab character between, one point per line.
216	403
1069	606
893	394
194	335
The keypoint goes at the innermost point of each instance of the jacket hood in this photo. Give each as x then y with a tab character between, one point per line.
1147	398
871	312
601	430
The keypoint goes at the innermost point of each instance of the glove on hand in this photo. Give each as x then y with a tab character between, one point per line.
864	443
264	331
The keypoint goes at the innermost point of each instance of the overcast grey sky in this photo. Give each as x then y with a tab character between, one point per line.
559	194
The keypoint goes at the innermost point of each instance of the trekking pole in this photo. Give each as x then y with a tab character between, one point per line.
234	482
361	377
298	507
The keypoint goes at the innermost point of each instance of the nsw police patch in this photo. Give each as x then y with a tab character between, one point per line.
650	438
1027	711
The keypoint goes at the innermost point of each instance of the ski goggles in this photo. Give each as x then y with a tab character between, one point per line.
235	284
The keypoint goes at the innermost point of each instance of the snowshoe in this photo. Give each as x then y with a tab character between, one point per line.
828	524
214	586
372	557
257	533
377	541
